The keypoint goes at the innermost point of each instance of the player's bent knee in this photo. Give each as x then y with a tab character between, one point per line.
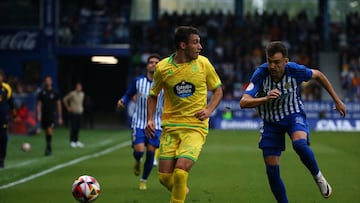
180	176
300	145
166	179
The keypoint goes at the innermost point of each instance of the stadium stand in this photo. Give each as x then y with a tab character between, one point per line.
225	37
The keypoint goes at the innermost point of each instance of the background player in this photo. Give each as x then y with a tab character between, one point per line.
141	88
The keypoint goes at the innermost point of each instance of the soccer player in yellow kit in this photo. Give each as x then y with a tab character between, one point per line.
186	77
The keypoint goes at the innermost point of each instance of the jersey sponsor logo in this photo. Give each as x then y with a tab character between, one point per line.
184	89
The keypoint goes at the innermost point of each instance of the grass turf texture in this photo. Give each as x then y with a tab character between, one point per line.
230	169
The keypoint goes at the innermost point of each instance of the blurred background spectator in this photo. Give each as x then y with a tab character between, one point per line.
234	41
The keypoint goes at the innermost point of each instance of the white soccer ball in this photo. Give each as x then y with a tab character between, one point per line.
86	189
26	147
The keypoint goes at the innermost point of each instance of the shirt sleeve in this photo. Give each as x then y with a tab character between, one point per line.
255	82
157	83
300	72
130	92
212	78
39	97
67	98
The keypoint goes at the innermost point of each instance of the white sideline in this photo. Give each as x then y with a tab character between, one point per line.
72	162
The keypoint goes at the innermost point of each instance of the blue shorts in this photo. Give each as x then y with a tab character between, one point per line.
138	136
272	140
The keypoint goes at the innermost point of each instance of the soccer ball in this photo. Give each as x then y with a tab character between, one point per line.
25	147
86	189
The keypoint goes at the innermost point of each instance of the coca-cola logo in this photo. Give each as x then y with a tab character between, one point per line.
22	40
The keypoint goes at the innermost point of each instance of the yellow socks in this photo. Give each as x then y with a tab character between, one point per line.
179	190
176	183
156	154
167	180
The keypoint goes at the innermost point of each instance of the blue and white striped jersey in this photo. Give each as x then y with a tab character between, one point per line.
141	87
289	102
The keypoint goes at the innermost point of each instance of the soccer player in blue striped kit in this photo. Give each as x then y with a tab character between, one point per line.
274	90
141	88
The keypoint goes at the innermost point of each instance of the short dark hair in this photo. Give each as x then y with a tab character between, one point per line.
153	56
182	34
275	47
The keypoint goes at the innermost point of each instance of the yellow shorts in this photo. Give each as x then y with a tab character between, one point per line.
179	142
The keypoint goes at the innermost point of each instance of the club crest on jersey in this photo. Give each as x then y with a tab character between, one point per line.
184	89
195	68
170	72
287	86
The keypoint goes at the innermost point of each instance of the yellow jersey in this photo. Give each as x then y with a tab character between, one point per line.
186	89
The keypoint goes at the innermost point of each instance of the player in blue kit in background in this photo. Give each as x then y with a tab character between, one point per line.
141	88
274	89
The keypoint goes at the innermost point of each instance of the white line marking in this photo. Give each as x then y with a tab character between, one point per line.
24	163
60	166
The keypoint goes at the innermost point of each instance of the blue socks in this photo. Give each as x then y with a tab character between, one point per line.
149	162
273	172
138	155
276	184
306	155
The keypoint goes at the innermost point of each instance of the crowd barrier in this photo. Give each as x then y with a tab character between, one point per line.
321	117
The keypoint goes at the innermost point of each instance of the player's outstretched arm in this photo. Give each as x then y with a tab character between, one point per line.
324	81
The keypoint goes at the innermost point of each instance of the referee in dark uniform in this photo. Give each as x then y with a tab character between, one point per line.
6	104
48	108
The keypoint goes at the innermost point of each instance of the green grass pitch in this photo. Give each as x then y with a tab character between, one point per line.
230	169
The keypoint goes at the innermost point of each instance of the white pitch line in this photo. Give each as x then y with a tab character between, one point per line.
72	162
